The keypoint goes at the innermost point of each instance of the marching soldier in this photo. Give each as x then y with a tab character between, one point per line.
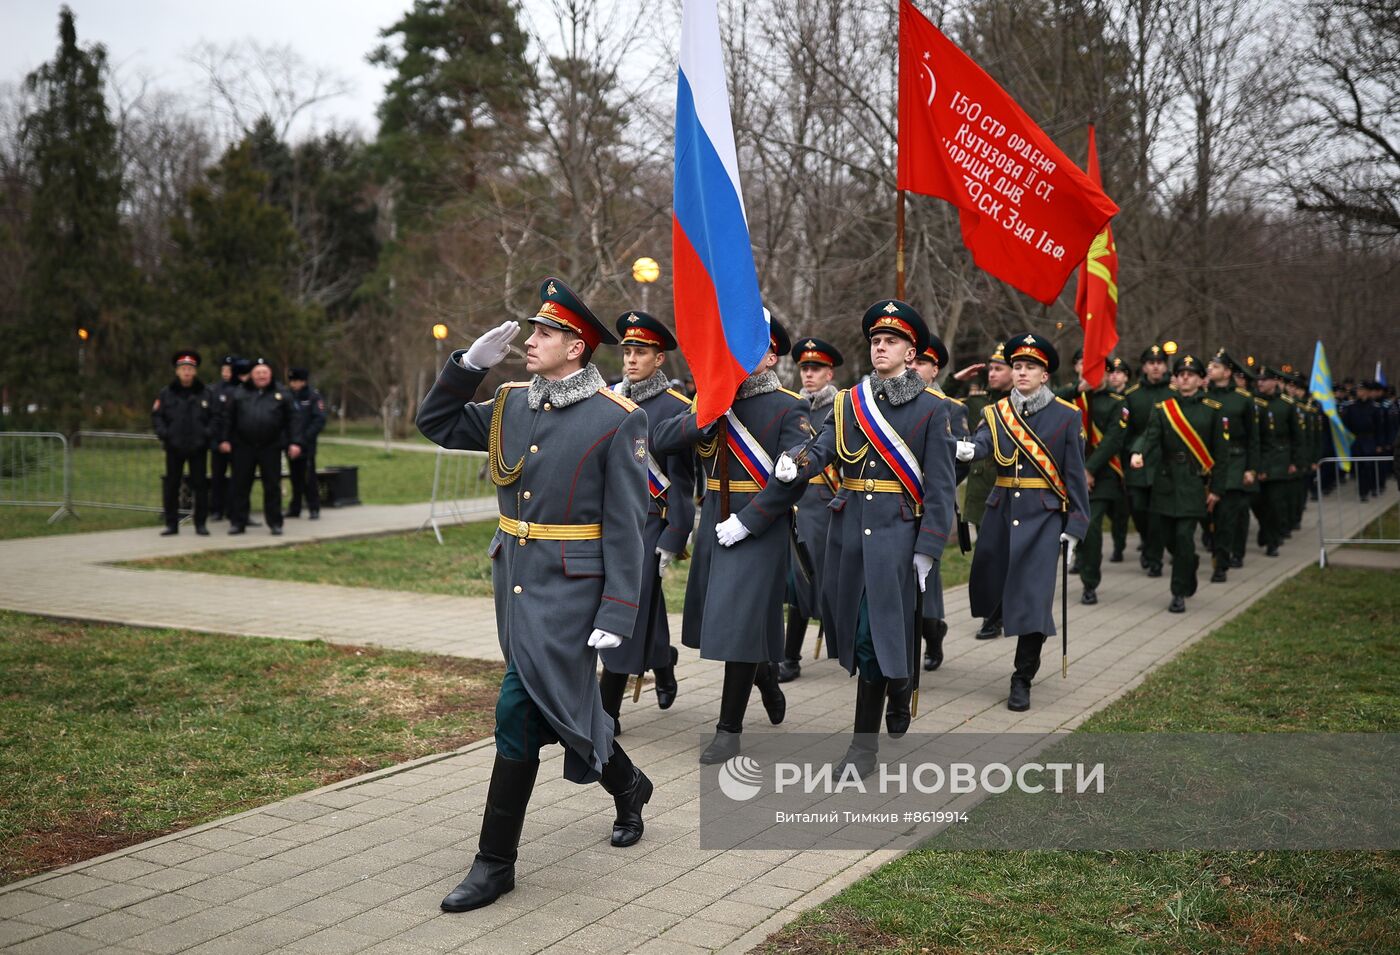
1152	390
1308	420
1279	438
670	515
934	623
982	472
220	464
568	458
1105	419
184	419
817	362
1119	513
1040	501
734	596
893	442
1189	440
1238	473
259	424
311	412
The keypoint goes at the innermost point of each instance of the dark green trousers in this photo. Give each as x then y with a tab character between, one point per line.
1180	534
1090	549
1149	525
1231	524
1274	497
867	664
521	729
1121	515
1240	542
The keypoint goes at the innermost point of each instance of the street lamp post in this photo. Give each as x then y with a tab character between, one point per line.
439	334
645	270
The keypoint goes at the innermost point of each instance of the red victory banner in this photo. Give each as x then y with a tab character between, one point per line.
1028	213
1096	297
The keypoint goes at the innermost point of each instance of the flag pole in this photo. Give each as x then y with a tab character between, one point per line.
899	244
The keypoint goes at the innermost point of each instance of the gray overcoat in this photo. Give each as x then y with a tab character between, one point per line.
813	521
583	462
934	608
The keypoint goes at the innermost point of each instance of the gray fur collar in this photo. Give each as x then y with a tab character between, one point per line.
566	391
645	389
1030	404
901	389
820	399
759	383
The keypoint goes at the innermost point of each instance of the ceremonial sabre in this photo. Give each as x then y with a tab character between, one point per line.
1064	609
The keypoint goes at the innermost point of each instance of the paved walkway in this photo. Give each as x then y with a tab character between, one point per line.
361	866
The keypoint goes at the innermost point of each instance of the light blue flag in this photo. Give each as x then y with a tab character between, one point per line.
1321	388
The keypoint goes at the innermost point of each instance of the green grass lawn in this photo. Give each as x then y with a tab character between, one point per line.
1319	653
111	735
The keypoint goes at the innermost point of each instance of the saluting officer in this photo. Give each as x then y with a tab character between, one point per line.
1189	441
817	362
670	514
982	472
734	596
259	424
1105	418
893	442
184	420
568	458
1150	391
1236	479
1279	437
1040	501
311	412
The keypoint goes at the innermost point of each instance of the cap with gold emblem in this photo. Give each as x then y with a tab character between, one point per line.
640	328
562	309
1116	364
1222	357
936	352
1153	353
1266	373
1031	347
898	318
1188	363
998	355
186	357
814	351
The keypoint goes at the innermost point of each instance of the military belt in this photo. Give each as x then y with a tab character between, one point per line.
1030	482
871	486
739	487
531	530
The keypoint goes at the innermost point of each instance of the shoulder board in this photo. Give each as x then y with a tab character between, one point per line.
1158	404
1114	395
1289	399
678	394
939	394
1210	401
622	402
1132	389
513	384
793	394
1261	402
1068	404
1241	391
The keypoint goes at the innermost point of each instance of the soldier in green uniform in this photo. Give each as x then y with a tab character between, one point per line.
1154	388
1105	418
1279	438
1119	512
1308	420
982	473
1187	437
1240	467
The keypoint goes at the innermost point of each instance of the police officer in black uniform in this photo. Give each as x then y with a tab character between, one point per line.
184	421
259	425
311	413
220	464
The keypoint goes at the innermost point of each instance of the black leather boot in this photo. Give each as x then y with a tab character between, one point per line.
934	631
733	701
991	626
791	667
864	751
631	790
493	870
897	711
612	687
1027	665
666	682
774	702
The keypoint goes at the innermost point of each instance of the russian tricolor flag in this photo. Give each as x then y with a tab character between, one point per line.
719	315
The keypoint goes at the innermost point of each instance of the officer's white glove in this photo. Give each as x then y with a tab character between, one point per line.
730	532
604	640
1071	543
786	469
923	563
966	449
666	560
492	347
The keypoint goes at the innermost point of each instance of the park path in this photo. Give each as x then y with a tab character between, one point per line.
360	866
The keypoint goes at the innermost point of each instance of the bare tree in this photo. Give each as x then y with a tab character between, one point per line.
246	80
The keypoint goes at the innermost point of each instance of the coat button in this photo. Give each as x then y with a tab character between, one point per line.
1013	524
1013	493
872	464
869	497
548	406
867	532
519	589
534	448
526	495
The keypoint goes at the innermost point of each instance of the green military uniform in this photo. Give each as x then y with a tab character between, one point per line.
981	475
1191	446
1108	414
1279	439
1141	398
1119	511
1230	519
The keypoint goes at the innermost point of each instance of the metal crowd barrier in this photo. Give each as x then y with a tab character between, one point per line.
462	490
117	469
1342	508
35	471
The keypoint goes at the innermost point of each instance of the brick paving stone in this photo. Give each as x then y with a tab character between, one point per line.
61	914
55	943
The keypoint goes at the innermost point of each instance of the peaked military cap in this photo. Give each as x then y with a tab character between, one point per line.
778	339
1153	353
1031	347
229	360
998	355
259	361
1223	357
898	318
640	328
298	374
936	352
1078	355
187	357
1248	373
814	351
1188	363
241	366
1266	373
562	309
1116	364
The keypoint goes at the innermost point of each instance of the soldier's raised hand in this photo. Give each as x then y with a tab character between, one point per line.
492	347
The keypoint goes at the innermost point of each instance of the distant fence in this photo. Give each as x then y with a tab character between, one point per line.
35	471
117	469
462	490
1342	508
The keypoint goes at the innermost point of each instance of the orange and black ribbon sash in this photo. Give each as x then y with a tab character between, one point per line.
1177	419
1029	442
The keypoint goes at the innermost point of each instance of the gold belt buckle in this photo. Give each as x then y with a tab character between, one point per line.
869	485
522	530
